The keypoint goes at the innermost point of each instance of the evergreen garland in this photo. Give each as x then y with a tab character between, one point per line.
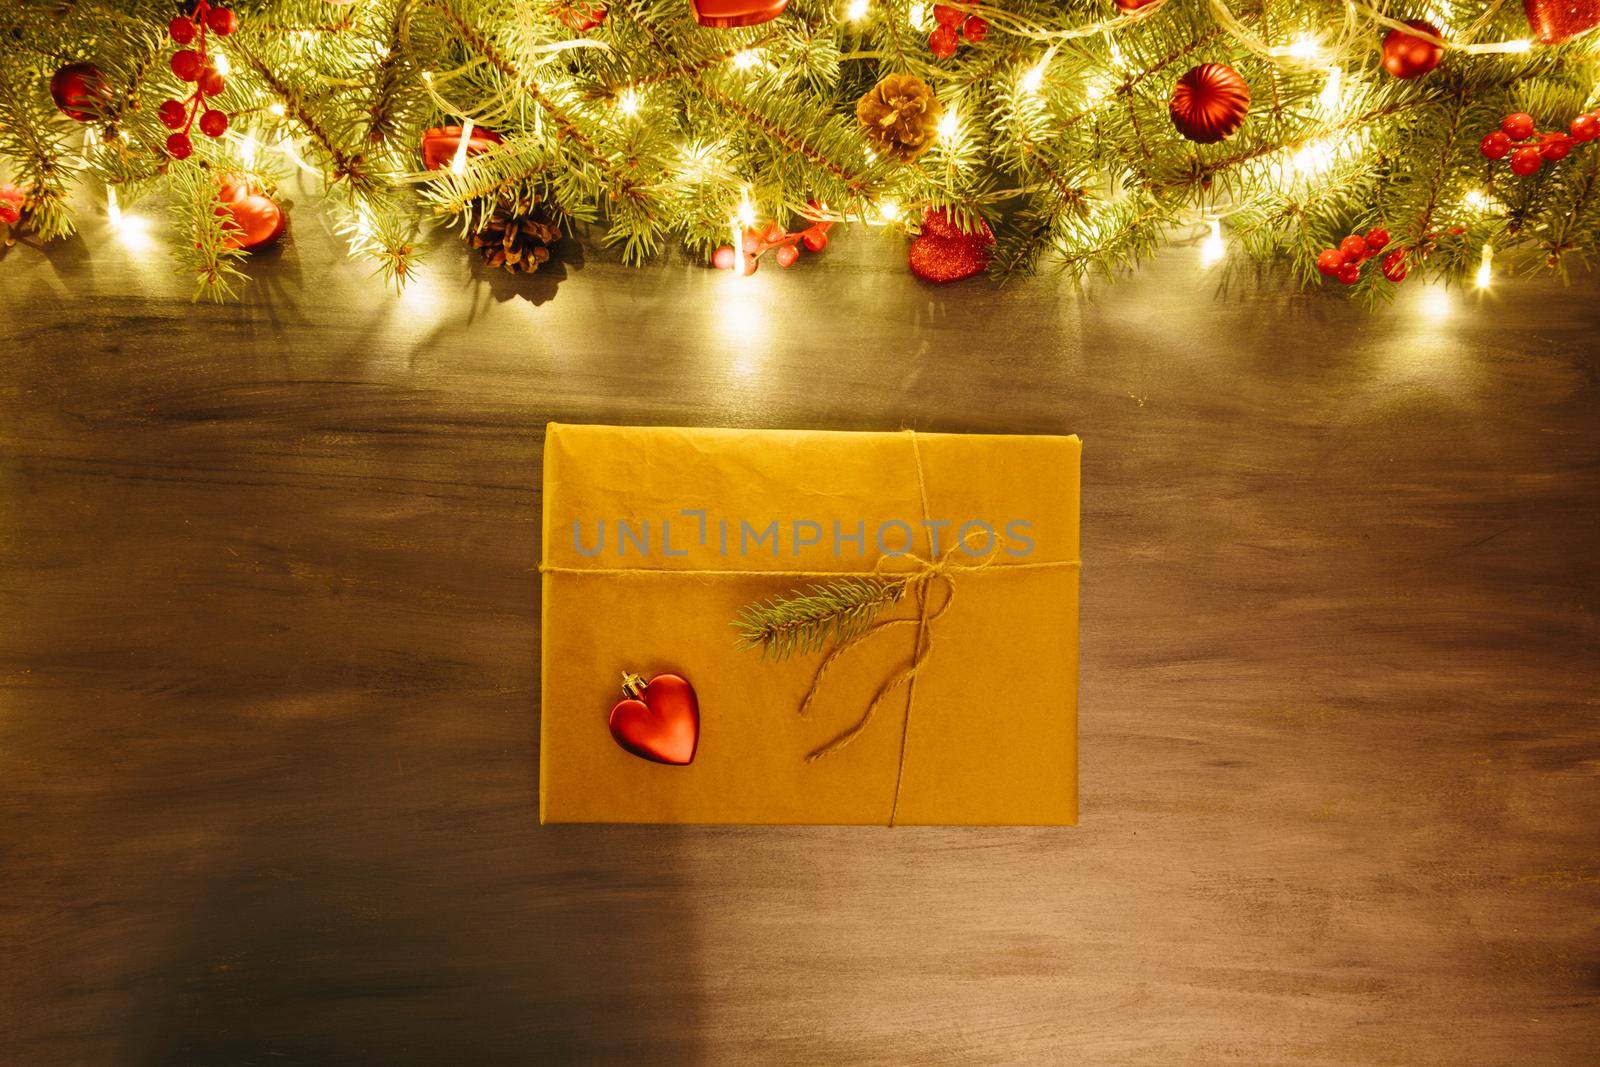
659	131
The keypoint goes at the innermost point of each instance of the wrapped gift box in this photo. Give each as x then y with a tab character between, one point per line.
655	540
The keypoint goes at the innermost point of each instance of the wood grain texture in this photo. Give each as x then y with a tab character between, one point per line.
269	720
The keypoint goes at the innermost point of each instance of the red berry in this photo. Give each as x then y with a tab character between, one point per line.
1350	273
9	212
945	15
211	82
222	21
186	64
786	255
1457	231
179	146
815	240
1377	238
1556	147
1518	126
751	242
773	233
974	29
1395	266
1585	128
214	123
1354	247
1525	161
171	114
722	258
942	42
1330	261
1495	145
181	30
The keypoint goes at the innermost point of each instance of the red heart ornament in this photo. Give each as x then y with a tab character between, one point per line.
943	253
660	720
728	14
1554	21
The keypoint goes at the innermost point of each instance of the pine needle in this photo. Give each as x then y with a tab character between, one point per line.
804	622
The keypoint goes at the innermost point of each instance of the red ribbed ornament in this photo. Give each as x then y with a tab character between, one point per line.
1554	21
1209	103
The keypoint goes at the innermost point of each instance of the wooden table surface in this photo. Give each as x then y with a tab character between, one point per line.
268	740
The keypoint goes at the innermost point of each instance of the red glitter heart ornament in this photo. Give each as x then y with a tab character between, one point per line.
944	253
1554	21
660	720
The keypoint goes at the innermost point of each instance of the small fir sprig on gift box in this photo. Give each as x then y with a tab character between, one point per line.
804	622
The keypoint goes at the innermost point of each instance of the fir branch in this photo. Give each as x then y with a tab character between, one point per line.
804	622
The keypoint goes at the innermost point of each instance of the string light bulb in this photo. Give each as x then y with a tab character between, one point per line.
1213	248
458	165
628	102
1485	267
1033	77
857	10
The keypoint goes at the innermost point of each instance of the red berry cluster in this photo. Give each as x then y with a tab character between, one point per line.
954	24
1537	148
1345	262
194	65
785	246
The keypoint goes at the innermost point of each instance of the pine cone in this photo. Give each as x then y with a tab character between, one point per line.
519	241
900	115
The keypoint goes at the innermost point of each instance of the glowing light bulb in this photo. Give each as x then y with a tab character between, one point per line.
1485	267
747	59
276	110
747	211
458	165
857	10
889	210
1306	47
247	150
628	102
1033	77
917	15
1476	200
1332	94
220	61
950	125
1213	248
132	231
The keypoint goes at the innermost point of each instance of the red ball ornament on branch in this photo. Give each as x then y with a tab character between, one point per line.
257	219
1130	6
943	252
1406	56
1554	21
440	144
80	91
1209	103
730	14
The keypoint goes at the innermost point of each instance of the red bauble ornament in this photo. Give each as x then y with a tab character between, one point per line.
975	29
1405	56
1330	261
1554	21
186	64
730	14
257	218
221	21
80	91
181	30
942	41
12	199
1495	145
1395	266
439	145
1130	6
179	146
660	719
943	253
214	123
1526	161
582	16
1209	103
1518	126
